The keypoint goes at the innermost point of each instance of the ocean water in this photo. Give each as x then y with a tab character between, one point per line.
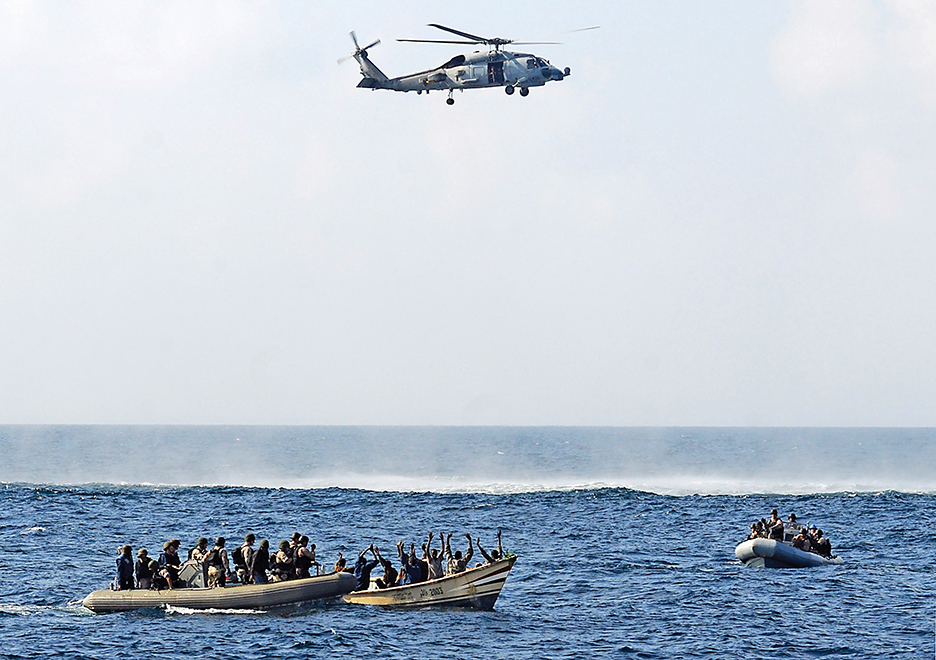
625	537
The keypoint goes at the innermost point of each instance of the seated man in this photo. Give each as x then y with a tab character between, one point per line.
822	545
169	563
390	574
757	531
341	565
283	565
801	541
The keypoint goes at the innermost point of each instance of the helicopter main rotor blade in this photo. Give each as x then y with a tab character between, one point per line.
556	34
440	41
459	33
536	43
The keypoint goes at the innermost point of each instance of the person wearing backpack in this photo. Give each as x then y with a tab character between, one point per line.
242	556
217	563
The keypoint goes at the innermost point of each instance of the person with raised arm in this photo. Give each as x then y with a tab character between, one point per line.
363	568
433	559
495	554
456	563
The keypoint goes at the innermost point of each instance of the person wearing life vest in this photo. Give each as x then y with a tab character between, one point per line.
282	564
169	564
217	562
242	557
200	551
774	526
125	568
146	568
305	558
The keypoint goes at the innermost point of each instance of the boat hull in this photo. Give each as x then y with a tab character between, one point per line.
249	596
476	588
769	553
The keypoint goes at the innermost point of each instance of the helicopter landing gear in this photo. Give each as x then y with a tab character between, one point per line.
450	100
509	89
524	91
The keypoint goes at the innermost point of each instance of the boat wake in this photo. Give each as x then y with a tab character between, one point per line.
174	609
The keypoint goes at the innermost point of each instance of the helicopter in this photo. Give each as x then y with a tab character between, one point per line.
495	68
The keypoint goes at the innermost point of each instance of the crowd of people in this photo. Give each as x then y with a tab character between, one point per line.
294	559
804	537
414	569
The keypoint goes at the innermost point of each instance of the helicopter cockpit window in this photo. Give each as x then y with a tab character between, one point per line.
458	60
531	63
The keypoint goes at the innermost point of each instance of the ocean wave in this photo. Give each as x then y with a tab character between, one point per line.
677	486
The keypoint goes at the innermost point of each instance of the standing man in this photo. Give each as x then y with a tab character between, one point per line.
363	568
242	557
125	568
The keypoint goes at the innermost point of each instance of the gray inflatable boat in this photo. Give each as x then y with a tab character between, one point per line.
238	597
770	553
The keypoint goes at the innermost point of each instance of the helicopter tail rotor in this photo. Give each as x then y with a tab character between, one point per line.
357	49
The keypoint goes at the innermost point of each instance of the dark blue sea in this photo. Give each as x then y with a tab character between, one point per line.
625	537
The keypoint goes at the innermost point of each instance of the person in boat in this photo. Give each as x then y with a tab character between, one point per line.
801	540
145	569
791	528
774	526
455	562
822	546
410	572
341	565
218	565
757	531
363	568
124	578
282	564
259	563
305	558
496	554
200	551
433	559
390	575
169	563
421	562
294	544
241	558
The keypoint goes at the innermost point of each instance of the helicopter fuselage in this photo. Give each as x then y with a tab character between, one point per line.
498	68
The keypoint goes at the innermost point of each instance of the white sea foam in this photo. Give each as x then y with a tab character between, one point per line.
173	609
32	530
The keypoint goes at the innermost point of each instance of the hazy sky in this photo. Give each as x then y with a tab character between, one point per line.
725	216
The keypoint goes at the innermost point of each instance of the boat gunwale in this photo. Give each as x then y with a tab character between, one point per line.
510	560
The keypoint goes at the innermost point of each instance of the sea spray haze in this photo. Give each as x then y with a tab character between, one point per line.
663	460
625	537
